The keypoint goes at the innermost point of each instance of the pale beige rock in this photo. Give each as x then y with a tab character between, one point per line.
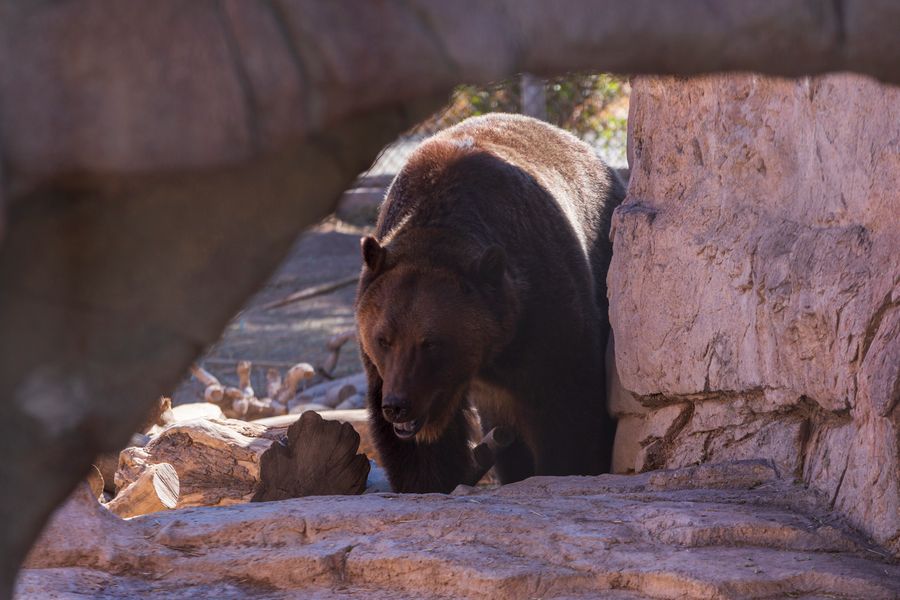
756	277
709	532
628	443
620	402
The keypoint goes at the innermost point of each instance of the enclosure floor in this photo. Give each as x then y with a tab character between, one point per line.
297	332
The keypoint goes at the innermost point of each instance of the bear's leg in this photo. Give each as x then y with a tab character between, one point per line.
571	443
568	427
417	467
514	463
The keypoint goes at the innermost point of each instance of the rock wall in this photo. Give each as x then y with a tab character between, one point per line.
755	284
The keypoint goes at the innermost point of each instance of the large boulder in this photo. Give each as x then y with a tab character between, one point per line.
755	284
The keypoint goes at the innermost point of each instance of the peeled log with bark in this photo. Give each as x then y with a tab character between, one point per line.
296	374
156	489
217	461
318	394
358	419
228	462
213	391
338	394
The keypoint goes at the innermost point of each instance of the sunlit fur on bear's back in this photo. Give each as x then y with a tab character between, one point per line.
493	157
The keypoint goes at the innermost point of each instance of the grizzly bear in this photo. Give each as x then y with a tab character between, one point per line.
482	297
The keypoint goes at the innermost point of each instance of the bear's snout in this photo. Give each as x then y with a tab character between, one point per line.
396	408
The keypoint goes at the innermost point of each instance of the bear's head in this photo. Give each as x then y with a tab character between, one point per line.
429	330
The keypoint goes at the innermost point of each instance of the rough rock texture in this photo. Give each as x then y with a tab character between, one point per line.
708	532
755	284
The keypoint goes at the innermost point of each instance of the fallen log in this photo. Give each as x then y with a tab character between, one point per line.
318	458
317	394
299	409
358	419
228	462
156	489
217	461
296	374
160	415
241	402
213	391
339	393
243	371
195	410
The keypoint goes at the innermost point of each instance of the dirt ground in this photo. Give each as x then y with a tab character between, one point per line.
297	332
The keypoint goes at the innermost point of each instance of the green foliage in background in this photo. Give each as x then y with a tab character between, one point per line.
579	103
593	106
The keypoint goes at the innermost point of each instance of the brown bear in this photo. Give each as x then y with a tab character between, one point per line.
484	287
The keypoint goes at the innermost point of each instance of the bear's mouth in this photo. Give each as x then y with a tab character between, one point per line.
407	429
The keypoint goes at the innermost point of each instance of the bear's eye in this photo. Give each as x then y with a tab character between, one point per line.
383	342
429	344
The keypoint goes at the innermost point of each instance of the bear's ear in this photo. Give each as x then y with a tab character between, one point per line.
491	267
372	253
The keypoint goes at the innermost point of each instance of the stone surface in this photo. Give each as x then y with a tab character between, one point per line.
360	205
708	532
755	284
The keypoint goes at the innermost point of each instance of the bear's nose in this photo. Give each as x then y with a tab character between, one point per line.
396	408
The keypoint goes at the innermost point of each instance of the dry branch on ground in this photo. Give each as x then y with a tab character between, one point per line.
241	402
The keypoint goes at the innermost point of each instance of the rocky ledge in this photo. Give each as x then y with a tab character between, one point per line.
729	530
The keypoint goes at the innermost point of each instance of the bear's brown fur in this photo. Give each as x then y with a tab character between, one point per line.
485	286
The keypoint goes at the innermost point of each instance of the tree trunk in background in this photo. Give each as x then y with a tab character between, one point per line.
755	284
534	96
